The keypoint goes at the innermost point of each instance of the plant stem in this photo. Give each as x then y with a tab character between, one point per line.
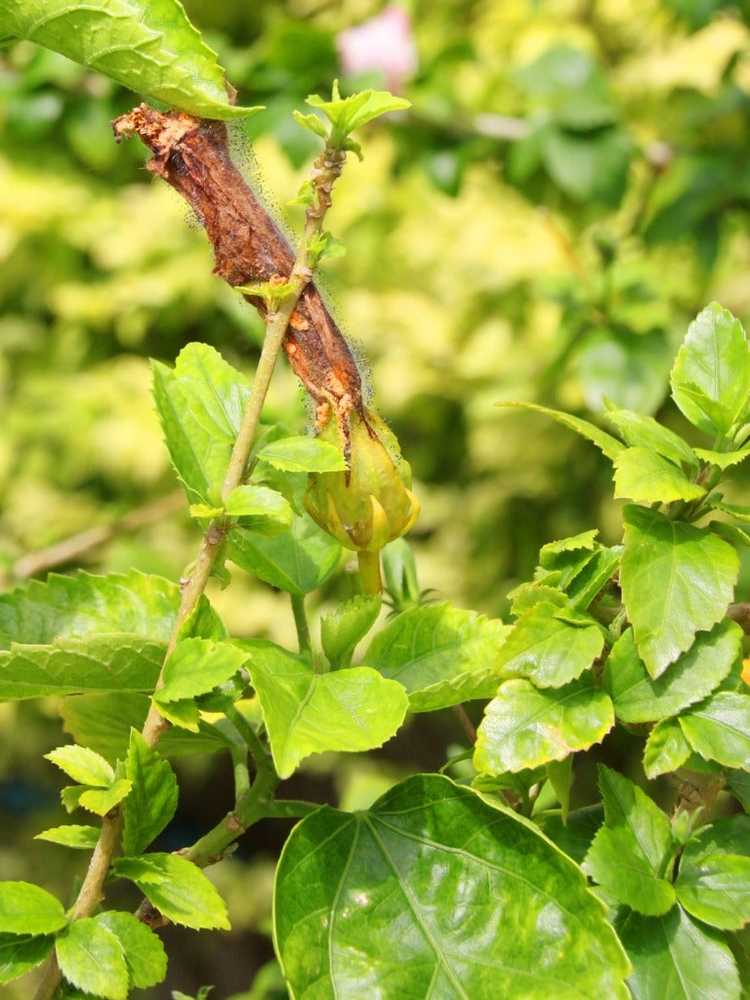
90	894
369	572
300	621
254	803
466	724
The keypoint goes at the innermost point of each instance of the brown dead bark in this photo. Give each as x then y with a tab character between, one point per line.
192	155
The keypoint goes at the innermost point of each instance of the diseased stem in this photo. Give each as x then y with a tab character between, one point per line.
254	803
300	621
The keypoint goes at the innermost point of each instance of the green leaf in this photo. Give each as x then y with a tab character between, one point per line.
548	649
82	765
723	459
610	446
341	630
666	749
719	729
29	909
200	403
303	454
738	511
714	880
641	431
19	953
560	776
562	569
646	477
151	48
259	501
183	713
103	722
711	374
630	853
676	580
90	957
83	838
525	727
121	663
594	576
584	540
177	888
102	800
442	655
739	783
407	897
676	959
297	560
306	712
84	605
575	836
639	698
350	113
153	799
144	953
197	666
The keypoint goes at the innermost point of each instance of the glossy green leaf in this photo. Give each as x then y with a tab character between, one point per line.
676	580
259	501
666	749
84	605
675	958
121	663
638	697
714	878
711	374
177	888
644	476
153	799
524	727
197	666
719	729
630	853
19	953
641	431
28	909
547	648
144	953
723	459
303	454
306	712
347	625
609	445
83	765
412	898
562	569
574	836
83	838
440	654
297	560
90	957
149	47
200	403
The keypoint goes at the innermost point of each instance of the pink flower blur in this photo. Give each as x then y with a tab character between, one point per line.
383	43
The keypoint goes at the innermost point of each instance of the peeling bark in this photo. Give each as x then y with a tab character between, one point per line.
192	155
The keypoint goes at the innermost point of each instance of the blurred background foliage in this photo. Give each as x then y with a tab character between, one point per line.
569	188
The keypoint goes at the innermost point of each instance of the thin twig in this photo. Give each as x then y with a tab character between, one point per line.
300	623
71	549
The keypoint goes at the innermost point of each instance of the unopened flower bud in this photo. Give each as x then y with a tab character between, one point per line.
371	503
